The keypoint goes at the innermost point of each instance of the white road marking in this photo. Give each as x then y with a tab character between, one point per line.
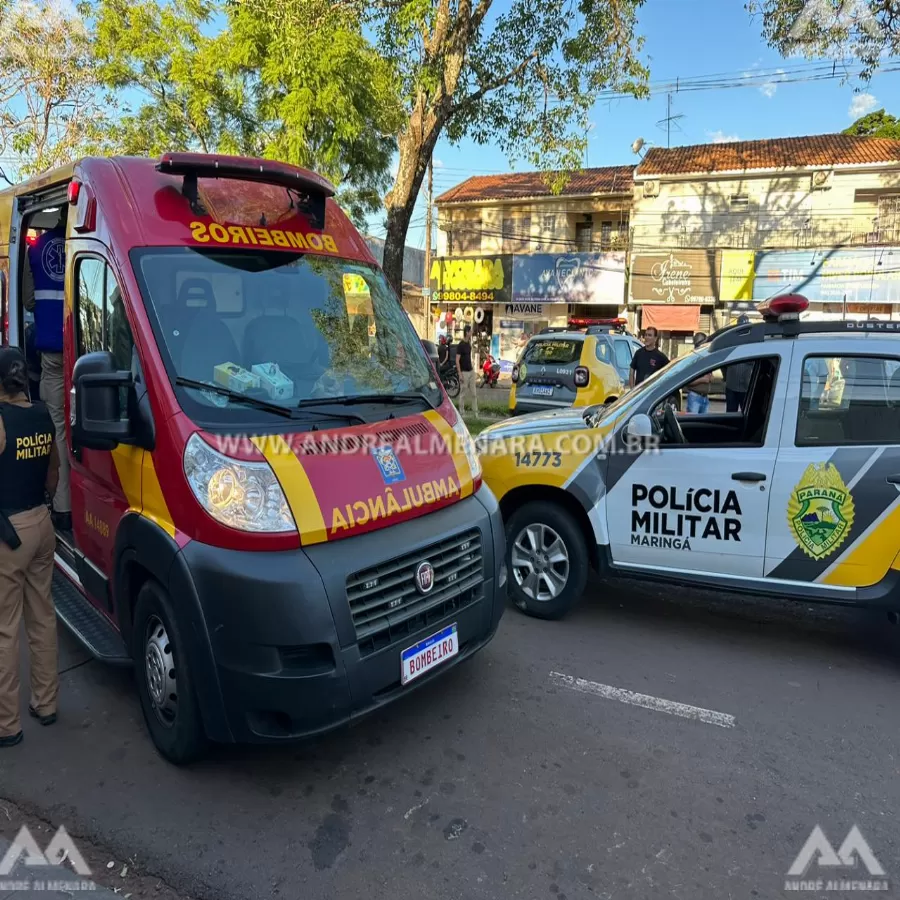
647	701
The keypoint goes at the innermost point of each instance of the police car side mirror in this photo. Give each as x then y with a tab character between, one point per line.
98	423
639	427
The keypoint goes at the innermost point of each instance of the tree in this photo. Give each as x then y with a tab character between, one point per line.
522	78
52	106
211	77
867	30
876	124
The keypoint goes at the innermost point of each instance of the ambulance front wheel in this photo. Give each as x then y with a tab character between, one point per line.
546	558
164	678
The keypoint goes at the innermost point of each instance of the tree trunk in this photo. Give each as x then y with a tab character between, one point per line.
415	152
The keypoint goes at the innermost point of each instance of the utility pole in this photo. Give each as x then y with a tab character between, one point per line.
426	292
429	199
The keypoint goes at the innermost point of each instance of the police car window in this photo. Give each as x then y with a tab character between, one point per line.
560	352
849	400
603	351
624	354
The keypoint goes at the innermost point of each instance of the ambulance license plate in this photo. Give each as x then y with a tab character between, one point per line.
427	654
542	391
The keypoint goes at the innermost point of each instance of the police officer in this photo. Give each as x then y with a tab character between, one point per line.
47	260
29	470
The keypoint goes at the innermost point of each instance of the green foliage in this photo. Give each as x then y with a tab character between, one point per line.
52	107
876	124
866	30
304	87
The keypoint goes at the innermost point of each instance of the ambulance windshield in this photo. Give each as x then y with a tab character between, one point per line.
284	328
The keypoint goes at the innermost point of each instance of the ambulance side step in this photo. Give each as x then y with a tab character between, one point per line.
89	626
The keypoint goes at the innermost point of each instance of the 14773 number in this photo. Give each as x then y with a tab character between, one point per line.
538	458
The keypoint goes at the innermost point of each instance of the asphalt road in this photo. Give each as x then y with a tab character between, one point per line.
500	781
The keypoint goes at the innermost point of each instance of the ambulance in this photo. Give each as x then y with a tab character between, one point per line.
795	494
278	517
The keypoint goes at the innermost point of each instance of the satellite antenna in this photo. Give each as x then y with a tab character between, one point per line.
638	145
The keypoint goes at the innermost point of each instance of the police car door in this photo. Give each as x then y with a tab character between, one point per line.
835	517
701	506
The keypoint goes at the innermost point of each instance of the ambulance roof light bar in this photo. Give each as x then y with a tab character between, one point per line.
192	166
783	308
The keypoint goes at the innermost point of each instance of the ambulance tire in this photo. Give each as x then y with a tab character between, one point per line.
550	518
170	706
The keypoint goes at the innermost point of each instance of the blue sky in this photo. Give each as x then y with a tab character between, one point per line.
688	38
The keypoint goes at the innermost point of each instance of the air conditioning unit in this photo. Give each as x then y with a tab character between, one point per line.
651	188
822	179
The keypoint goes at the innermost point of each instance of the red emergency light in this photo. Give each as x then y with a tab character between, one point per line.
72	192
31	237
783	308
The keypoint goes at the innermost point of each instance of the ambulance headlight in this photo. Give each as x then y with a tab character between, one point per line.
241	495
464	440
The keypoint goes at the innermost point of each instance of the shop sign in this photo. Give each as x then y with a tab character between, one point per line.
472	279
680	277
569	278
859	275
735	273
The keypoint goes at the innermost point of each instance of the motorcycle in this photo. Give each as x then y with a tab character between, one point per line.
450	379
490	373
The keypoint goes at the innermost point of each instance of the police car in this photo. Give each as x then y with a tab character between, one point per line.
797	494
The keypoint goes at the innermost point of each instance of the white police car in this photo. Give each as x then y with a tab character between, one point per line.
796	494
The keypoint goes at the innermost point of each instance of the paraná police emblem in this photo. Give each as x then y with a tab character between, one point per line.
820	510
391	470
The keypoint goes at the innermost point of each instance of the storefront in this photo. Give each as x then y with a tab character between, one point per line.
675	292
507	298
840	283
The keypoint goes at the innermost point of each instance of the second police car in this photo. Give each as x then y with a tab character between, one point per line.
797	494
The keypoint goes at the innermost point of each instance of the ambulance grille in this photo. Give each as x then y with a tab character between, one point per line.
386	605
356	443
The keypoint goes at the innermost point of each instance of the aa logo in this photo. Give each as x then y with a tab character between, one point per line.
61	849
820	510
850	854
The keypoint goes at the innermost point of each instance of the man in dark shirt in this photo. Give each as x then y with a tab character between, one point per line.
648	360
466	372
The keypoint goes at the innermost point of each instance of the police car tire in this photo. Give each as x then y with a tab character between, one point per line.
185	740
564	524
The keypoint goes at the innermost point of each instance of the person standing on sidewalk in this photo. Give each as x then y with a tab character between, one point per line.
466	372
647	360
29	471
47	261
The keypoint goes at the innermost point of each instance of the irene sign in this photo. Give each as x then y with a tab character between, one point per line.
679	277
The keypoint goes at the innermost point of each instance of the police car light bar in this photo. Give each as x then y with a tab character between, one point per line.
783	308
265	171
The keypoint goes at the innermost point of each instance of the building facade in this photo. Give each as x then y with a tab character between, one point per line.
717	228
514	257
686	241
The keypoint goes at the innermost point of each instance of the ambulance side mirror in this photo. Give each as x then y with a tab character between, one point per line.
98	423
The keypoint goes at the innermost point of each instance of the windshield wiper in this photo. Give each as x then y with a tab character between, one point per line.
237	397
354	399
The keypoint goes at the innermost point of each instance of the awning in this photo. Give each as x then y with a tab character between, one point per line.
671	317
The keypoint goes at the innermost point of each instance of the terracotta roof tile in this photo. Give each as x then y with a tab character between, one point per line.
519	185
823	150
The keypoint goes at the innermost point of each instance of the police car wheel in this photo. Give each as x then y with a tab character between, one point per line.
164	679
546	558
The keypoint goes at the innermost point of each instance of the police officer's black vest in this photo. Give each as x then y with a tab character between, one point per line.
26	459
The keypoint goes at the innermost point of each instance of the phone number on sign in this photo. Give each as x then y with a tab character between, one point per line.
464	296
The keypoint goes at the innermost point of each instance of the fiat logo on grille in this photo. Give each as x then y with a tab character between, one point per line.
424	577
